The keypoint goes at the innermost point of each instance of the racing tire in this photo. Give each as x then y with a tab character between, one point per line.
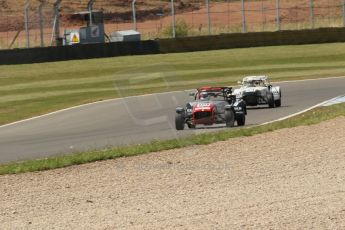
241	120
229	118
278	103
179	121
270	100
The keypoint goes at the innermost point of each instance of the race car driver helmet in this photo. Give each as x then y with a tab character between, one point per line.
203	96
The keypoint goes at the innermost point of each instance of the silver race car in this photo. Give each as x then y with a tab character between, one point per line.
256	90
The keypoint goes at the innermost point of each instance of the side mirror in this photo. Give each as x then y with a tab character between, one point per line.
192	94
239	82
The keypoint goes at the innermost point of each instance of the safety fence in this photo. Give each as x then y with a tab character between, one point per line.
33	23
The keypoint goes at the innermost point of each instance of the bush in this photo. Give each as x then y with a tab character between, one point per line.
181	29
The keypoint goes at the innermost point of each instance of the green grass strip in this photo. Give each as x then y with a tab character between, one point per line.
309	118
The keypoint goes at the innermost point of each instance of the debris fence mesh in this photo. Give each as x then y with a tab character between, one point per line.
33	26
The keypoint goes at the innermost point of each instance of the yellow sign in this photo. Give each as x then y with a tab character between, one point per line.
75	39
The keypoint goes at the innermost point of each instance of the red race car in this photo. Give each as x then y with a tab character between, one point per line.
212	105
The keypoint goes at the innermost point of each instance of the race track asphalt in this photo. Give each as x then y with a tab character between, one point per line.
137	120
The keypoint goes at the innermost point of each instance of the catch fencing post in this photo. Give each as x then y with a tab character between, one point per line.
134	15
26	22
311	14
40	8
278	14
208	16
173	19
56	26
89	8
244	27
343	13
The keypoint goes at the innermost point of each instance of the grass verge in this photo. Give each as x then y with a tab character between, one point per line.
311	117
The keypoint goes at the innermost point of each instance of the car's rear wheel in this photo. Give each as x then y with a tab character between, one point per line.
179	121
278	103
241	120
270	100
229	118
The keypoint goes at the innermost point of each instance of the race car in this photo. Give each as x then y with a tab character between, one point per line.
256	90
211	105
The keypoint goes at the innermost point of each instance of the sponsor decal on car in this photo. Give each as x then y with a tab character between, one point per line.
203	104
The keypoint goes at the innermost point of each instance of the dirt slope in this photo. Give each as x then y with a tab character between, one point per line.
77	5
292	178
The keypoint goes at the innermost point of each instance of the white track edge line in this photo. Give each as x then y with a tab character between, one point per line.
298	113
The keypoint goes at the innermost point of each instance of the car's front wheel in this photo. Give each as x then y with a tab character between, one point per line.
179	121
270	100
241	120
229	118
